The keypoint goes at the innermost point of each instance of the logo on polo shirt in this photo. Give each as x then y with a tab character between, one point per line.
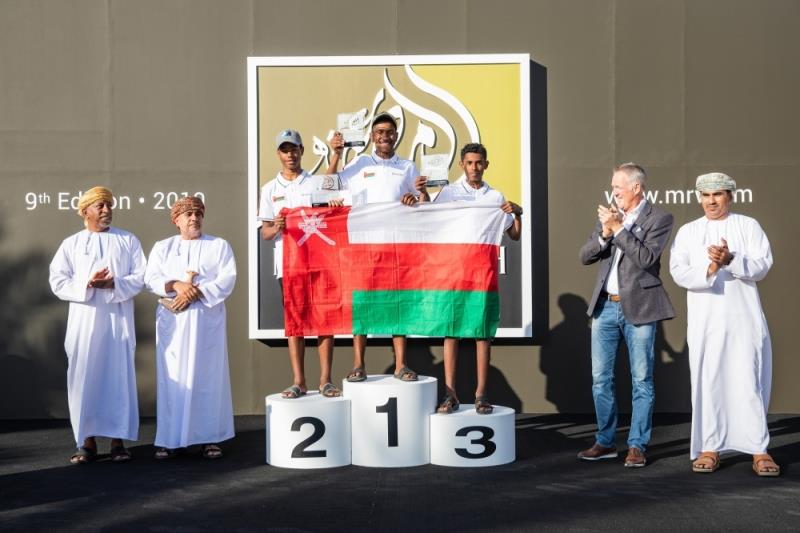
278	198
369	174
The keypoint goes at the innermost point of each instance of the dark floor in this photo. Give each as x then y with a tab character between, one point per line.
546	489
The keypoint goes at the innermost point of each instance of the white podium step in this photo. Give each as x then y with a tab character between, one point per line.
308	432
391	420
465	438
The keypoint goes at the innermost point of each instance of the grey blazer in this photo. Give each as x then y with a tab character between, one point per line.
642	296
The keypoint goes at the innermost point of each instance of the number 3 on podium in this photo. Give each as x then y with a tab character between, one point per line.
489	446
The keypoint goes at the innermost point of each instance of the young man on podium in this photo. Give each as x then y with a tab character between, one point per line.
379	177
294	187
471	187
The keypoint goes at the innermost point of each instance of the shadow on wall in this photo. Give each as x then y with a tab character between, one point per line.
33	322
420	358
566	361
32	325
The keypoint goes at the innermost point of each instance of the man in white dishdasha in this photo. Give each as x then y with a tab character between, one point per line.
198	272
98	271
719	258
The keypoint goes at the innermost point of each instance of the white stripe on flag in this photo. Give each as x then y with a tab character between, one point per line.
426	223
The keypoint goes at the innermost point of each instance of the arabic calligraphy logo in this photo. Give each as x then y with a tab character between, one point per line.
399	105
311	225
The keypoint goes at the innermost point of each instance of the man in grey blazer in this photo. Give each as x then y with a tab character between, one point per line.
627	302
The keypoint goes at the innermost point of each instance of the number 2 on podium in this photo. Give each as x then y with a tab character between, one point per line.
300	451
390	408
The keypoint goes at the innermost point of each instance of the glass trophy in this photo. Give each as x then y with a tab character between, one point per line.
352	126
436	168
325	188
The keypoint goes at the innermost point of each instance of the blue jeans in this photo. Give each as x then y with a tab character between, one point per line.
609	327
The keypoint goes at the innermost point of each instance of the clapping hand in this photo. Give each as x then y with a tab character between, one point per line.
610	218
102	279
719	255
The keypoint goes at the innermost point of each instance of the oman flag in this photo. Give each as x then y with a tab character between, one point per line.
391	269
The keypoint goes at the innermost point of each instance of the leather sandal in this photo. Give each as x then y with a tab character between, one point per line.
329	390
765	466
211	451
406	374
165	453
482	406
448	405
120	455
706	463
83	456
357	374
290	393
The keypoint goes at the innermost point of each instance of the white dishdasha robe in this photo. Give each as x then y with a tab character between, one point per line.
101	341
193	390
730	356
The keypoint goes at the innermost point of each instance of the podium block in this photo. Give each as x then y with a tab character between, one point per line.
465	438
308	432
391	420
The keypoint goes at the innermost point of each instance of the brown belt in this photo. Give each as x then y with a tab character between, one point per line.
613	297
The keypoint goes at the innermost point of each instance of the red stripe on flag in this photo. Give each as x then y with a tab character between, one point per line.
422	266
314	302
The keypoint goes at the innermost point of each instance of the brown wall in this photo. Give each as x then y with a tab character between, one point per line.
149	95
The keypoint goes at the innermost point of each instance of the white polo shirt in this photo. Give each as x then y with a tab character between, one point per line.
460	190
279	193
371	179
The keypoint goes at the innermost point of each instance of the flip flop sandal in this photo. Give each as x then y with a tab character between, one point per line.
448	405
211	451
706	463
329	390
120	455
482	406
165	453
83	456
290	393
406	374
356	375
761	471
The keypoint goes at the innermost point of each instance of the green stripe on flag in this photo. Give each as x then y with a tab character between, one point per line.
468	314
